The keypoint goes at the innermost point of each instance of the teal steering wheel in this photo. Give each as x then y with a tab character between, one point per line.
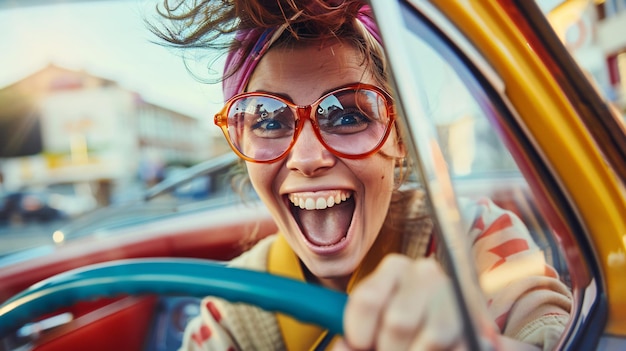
306	302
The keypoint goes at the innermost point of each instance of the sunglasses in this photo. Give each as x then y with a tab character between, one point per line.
353	122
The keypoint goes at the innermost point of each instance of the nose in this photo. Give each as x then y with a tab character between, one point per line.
308	155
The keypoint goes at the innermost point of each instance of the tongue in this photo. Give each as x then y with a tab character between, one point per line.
327	227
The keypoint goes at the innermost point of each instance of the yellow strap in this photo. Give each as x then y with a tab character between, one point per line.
283	261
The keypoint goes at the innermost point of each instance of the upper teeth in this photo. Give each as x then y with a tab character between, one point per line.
314	201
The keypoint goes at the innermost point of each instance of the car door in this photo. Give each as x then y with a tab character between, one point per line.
496	108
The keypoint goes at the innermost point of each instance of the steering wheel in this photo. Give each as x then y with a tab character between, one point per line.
190	277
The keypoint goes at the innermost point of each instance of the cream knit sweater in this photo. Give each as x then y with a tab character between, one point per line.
531	306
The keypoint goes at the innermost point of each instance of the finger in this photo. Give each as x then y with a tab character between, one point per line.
427	341
433	341
443	329
368	301
340	345
406	311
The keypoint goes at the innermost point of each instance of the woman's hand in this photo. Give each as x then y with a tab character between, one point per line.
404	304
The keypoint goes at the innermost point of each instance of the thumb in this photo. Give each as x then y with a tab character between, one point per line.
341	345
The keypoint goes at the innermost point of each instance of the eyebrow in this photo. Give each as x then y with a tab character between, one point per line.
284	96
287	97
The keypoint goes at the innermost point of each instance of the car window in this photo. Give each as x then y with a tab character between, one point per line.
480	164
487	157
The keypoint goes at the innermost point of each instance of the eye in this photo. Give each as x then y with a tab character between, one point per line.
268	125
271	125
348	121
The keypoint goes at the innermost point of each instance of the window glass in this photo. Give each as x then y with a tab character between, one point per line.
510	236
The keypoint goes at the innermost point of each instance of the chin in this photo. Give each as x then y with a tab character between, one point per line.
338	268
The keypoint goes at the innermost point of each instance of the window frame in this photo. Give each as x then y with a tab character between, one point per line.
589	308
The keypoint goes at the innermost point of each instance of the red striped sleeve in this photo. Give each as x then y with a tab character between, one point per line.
508	248
202	335
499	224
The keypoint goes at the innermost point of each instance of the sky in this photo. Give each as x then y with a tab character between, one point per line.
107	39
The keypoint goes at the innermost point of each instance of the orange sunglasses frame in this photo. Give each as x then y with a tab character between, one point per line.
303	113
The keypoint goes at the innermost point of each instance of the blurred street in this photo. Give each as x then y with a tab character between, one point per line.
16	238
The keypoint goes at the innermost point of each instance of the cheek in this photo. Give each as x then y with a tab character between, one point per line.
387	175
393	147
261	176
378	175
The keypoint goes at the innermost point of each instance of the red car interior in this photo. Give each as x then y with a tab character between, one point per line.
124	323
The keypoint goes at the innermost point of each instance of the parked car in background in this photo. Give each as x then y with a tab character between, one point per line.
493	105
28	207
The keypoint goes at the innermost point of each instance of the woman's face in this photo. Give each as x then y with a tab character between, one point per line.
331	242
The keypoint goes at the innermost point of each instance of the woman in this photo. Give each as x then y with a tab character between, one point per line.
308	109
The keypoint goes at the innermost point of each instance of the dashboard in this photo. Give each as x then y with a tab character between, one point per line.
150	323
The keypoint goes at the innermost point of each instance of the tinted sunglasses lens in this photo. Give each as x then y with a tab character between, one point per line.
260	127
353	122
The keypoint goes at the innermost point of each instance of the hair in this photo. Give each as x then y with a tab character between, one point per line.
212	24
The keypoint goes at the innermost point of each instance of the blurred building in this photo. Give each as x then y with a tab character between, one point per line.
611	15
65	126
594	31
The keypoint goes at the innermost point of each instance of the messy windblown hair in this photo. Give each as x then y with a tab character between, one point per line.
213	25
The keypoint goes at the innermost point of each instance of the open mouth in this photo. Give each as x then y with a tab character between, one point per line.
323	217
